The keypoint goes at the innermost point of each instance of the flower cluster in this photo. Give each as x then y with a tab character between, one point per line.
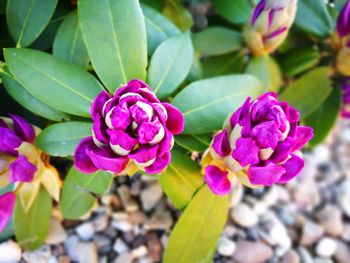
132	130
269	25
259	145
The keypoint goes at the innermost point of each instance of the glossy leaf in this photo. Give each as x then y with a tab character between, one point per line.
27	100
59	84
323	119
196	234
181	179
158	28
68	44
237	11
217	41
222	65
215	98
31	228
313	17
114	33
61	139
178	14
308	92
170	64
267	71
27	19
194	143
78	189
299	60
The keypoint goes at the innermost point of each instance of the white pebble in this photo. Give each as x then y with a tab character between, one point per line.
120	246
10	252
122	225
139	252
85	231
226	247
326	247
244	216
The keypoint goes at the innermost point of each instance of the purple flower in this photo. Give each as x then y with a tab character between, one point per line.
7	203
260	146
269	25
345	108
14	134
132	130
343	22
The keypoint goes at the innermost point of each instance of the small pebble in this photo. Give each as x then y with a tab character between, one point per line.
244	216
244	252
41	255
151	196
226	247
139	252
326	247
85	231
120	246
10	252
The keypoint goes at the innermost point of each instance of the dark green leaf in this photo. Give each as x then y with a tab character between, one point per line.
222	65
31	228
69	44
158	28
3	4
59	84
27	19
28	101
77	198
215	98
267	71
196	71
61	139
170	64
156	4
217	41
177	13
309	92
115	36
323	119
237	11
194	143
195	235
181	179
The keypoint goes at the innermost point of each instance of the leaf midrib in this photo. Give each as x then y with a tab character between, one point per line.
25	23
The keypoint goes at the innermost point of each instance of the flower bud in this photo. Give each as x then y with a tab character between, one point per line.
259	146
269	25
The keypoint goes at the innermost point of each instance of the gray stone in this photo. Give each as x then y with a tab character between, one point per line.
342	254
326	247
344	196
291	257
311	233
305	255
71	245
330	218
85	231
56	234
139	252
87	253
10	252
244	252
124	258
122	225
41	255
244	216
120	246
151	196
226	247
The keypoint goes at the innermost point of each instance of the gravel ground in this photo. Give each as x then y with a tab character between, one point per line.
307	220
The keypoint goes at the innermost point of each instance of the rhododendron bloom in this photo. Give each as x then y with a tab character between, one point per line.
259	145
345	108
132	130
269	25
7	203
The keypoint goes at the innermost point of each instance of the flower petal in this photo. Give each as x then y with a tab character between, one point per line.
99	131
52	182
145	154
23	128
262	105
175	122
98	104
82	160
159	165
7	203
217	180
239	114
221	144
9	141
150	132
21	170
118	118
265	175
3	124
293	167
246	152
282	150
266	134
141	111
167	143
303	136
121	142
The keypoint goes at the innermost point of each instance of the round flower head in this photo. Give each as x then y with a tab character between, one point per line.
7	203
259	145
269	25
132	130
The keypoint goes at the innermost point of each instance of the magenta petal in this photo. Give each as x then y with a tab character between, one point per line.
145	153
277	115
240	113
343	22
175	122
97	105
122	139
277	32
21	170
265	175
118	117
23	128
221	144
293	167
159	164
7	203
9	141
282	150
217	180
100	129
82	160
303	136
147	131
166	144
246	152
261	107
257	11
266	134
3	124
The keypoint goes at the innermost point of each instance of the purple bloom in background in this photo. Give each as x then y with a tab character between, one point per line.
260	146
13	165
7	203
345	108
343	22
132	130
269	25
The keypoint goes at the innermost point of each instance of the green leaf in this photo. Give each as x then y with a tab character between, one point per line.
196	70
323	119
308	92
194	143
114	33
59	84
177	13
31	228
217	41
78	189
299	60
196	234
181	179
237	11
68	44
28	101
27	19
267	71
222	65
215	98
3	4
170	64
339	4
158	28
313	17
155	4
61	139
